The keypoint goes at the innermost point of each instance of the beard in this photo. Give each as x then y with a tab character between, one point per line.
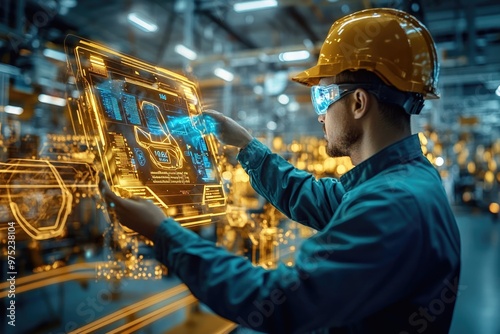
344	145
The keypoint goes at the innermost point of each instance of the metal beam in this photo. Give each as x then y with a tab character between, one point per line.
256	53
470	18
165	40
19	15
243	40
9	70
469	74
446	21
301	22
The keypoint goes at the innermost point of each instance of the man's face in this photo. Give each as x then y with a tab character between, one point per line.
341	131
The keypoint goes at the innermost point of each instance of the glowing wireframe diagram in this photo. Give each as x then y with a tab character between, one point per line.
38	199
39	194
161	145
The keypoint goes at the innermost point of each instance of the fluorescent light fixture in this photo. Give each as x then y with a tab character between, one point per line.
142	22
185	52
54	100
13	110
53	54
294	55
497	92
283	99
254	5
224	74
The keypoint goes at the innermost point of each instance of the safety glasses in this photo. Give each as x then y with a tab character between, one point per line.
324	96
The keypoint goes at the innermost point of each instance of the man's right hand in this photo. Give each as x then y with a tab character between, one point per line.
227	130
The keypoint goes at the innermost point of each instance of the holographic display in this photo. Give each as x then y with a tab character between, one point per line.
145	124
40	195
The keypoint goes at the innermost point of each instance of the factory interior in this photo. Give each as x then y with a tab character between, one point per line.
77	270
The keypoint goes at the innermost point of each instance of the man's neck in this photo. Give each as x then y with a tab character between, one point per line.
369	145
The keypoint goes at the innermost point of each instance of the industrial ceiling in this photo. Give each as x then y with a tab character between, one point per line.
248	45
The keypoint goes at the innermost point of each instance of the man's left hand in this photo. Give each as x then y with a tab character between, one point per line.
138	214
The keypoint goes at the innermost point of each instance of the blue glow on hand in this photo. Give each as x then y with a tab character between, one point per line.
197	125
210	124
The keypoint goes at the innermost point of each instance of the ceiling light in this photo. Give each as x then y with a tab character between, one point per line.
56	55
294	55
259	90
142	23
293	106
57	101
497	92
271	125
14	110
283	99
224	74
185	52
254	5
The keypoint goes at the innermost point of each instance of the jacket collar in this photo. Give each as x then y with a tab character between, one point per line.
398	153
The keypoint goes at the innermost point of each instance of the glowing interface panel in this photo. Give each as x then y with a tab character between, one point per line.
145	124
156	139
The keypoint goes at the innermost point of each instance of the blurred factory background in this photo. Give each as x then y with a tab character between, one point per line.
243	58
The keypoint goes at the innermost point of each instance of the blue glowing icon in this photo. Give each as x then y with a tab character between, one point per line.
141	159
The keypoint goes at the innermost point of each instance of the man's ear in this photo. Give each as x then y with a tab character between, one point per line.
361	101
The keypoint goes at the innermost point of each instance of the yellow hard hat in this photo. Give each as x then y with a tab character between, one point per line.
389	42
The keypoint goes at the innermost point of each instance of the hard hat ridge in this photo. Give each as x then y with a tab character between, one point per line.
391	43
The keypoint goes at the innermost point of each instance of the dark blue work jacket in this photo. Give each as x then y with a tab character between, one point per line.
385	258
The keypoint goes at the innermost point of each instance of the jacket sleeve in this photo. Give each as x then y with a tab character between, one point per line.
296	193
357	265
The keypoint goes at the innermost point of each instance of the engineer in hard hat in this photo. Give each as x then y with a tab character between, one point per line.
386	257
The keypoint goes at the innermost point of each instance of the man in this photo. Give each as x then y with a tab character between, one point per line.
386	257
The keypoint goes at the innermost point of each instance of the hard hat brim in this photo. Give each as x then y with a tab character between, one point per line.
311	76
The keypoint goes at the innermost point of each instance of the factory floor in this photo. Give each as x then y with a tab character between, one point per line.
76	302
478	306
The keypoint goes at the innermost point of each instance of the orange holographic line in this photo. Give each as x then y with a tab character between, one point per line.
206	215
138	323
98	119
54	272
42	186
130	309
96	60
124	58
51	281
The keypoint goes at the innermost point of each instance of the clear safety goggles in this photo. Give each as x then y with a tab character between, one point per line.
323	97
